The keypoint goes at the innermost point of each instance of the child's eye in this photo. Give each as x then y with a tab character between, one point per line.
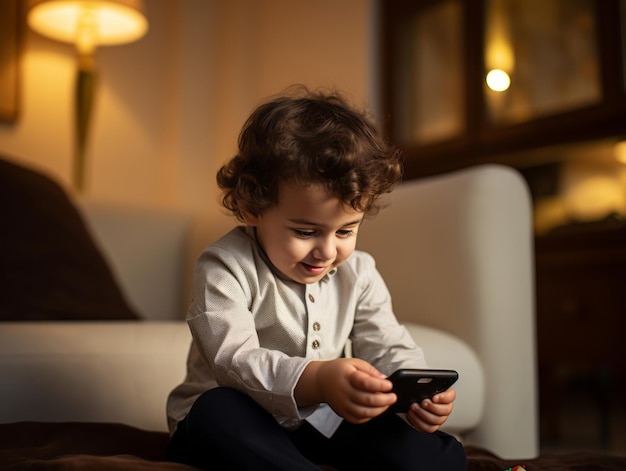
345	233
303	234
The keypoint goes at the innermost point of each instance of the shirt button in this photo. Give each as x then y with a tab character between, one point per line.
316	326
311	298
315	344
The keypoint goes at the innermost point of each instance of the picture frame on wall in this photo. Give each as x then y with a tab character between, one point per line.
9	60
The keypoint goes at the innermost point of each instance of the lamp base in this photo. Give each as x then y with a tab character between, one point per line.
86	81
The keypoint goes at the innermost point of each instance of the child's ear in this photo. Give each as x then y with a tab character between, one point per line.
249	218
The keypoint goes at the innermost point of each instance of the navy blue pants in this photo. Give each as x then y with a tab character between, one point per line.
226	429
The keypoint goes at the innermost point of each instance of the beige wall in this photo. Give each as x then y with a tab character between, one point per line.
170	106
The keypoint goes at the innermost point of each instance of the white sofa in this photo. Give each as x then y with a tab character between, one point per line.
455	251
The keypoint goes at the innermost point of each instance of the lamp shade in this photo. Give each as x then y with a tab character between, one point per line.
89	23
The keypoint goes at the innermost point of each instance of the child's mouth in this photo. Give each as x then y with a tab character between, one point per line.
314	270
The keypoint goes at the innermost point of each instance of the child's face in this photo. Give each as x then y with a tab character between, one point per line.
308	233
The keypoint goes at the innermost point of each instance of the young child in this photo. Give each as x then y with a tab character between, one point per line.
275	301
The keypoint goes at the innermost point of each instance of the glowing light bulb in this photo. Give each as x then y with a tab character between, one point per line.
498	80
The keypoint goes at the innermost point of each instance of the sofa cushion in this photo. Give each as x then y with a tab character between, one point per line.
50	267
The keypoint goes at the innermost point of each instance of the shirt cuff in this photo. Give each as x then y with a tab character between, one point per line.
324	420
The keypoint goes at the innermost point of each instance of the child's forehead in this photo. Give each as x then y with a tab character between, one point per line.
288	189
312	200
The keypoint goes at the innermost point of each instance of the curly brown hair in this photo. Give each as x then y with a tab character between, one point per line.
315	138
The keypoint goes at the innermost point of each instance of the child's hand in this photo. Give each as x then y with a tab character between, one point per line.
429	415
354	389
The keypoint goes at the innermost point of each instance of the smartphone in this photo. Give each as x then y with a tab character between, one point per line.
413	385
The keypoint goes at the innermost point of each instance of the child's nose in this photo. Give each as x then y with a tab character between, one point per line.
325	249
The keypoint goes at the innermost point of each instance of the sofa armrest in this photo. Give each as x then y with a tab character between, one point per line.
446	351
91	371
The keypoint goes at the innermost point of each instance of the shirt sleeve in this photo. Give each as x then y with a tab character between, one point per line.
377	336
223	328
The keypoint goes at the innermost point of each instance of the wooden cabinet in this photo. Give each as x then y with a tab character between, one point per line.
581	321
437	108
581	296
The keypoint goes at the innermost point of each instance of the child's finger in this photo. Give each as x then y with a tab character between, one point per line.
430	413
364	382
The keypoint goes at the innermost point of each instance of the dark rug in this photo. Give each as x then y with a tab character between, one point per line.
76	446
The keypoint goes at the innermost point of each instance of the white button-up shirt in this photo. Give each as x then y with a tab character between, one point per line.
255	330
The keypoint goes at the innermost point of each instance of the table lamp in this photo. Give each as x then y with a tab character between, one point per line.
87	24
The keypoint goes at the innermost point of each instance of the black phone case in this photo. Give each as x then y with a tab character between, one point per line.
413	385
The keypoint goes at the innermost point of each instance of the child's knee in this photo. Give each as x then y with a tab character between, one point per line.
219	406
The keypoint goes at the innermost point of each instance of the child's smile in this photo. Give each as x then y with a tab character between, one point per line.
315	270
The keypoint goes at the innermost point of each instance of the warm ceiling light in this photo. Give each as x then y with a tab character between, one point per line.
89	23
498	80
